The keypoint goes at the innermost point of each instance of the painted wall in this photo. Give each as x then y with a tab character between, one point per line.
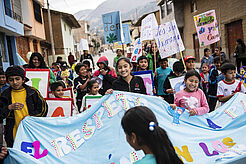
8	25
67	36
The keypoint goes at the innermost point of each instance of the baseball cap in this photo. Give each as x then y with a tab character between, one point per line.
189	57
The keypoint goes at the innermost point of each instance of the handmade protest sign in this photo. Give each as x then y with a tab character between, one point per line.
177	83
96	135
91	100
207	28
112	27
83	45
137	51
147	77
126	33
59	107
39	79
168	39
148	25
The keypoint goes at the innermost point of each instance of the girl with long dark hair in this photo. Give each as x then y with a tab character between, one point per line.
143	133
37	62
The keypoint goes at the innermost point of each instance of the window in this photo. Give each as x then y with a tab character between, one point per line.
169	6
193	6
65	27
37	11
7	6
163	10
3	55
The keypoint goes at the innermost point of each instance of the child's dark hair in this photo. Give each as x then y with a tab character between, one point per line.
86	62
40	58
2	72
206	64
162	59
142	58
90	84
192	73
205	50
56	84
125	59
178	67
137	120
78	66
227	66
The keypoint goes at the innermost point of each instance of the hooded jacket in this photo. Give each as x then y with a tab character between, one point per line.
108	78
36	106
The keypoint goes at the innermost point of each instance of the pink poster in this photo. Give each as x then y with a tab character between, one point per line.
207	28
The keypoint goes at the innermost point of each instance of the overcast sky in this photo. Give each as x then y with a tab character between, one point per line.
73	6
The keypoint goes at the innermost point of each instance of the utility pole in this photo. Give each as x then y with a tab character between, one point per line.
51	33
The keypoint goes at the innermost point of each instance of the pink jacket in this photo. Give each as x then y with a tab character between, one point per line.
192	100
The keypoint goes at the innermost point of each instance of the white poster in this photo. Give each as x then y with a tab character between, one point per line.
83	45
177	83
168	39
39	79
171	61
137	51
148	25
59	107
91	100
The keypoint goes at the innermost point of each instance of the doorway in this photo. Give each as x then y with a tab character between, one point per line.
234	32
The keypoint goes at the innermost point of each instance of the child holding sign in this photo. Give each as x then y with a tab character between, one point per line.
192	98
19	101
92	88
57	91
143	133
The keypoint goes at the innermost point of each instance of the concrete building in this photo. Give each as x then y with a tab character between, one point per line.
10	28
33	28
62	25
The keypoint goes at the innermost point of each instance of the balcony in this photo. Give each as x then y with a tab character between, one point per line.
12	14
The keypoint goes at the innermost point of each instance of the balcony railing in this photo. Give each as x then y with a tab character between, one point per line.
12	14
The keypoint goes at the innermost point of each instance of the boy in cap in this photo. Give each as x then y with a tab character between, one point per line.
19	101
189	62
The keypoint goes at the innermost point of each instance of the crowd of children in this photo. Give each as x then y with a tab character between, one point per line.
199	93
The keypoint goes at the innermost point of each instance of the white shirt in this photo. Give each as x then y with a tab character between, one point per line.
226	89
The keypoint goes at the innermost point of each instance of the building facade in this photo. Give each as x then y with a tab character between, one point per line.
231	18
62	25
33	28
10	28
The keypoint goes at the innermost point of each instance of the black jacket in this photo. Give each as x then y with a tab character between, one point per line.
36	106
136	85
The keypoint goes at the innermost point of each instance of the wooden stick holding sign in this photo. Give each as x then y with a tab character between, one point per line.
39	79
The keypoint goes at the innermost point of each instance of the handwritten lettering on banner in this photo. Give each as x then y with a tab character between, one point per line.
148	25
147	77
137	51
207	28
112	27
59	107
168	39
39	79
92	136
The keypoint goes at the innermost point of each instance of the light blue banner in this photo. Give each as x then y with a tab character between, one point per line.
96	136
126	33
112	27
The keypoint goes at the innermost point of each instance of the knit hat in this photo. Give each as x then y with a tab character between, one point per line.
64	64
15	71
